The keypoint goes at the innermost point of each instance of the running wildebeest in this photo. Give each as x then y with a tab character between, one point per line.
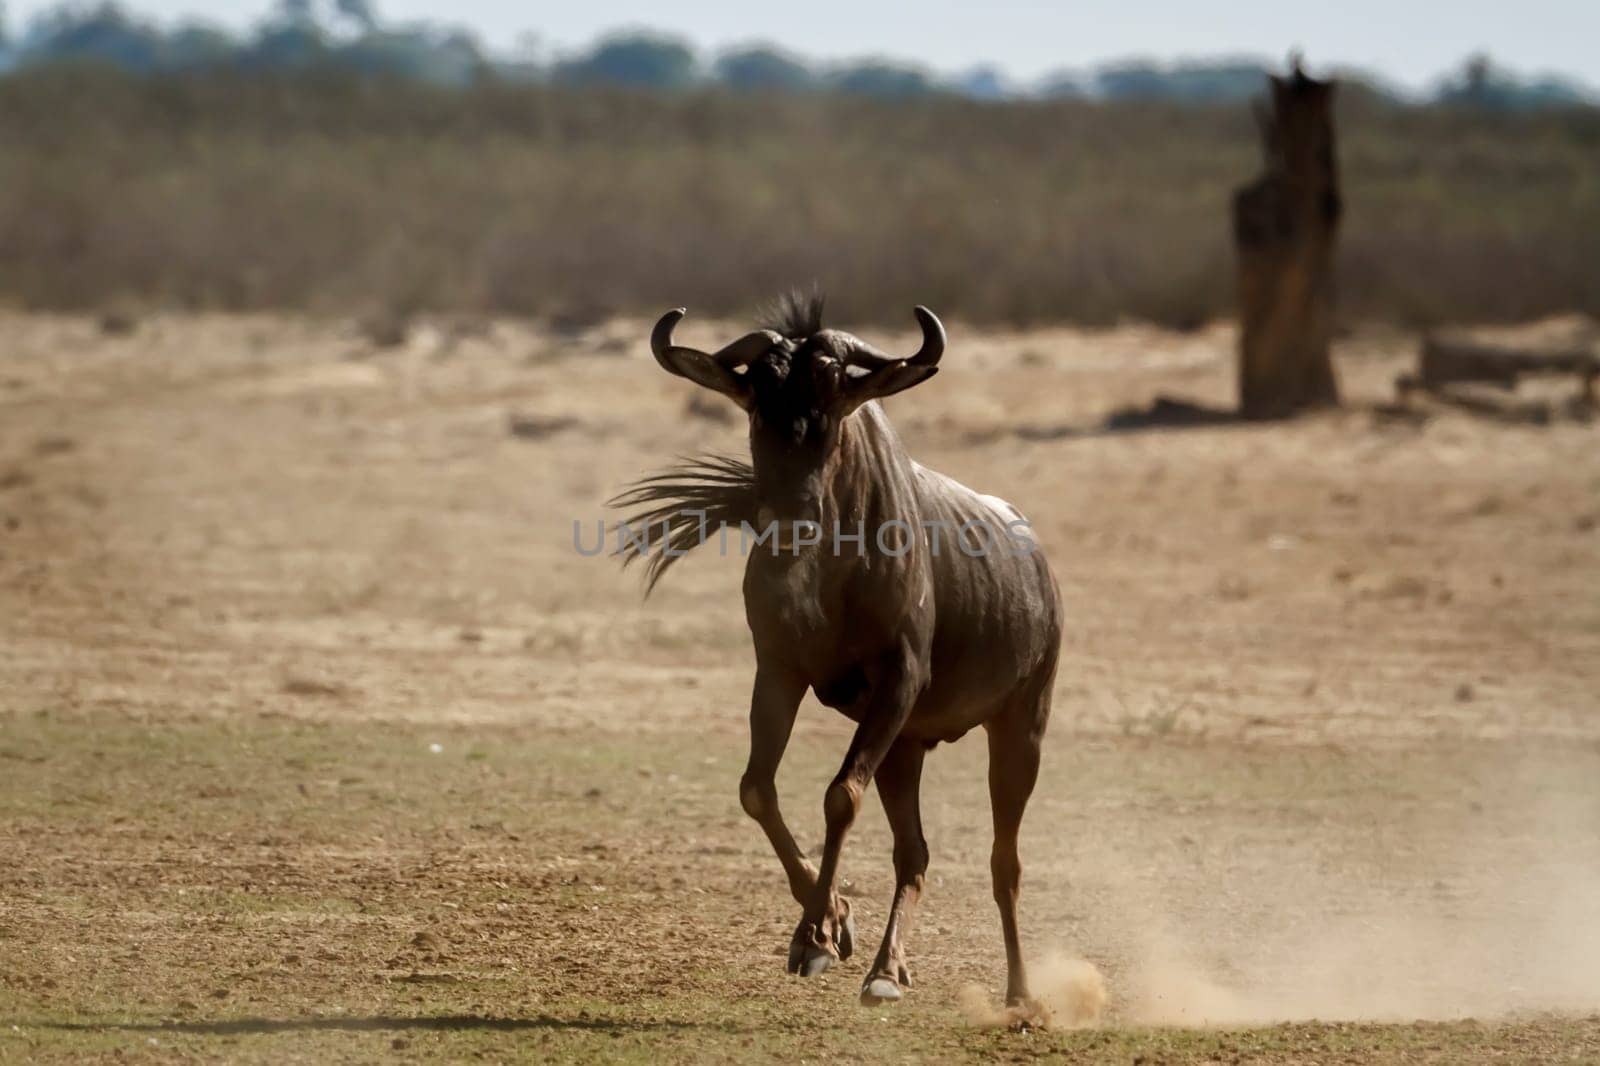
917	634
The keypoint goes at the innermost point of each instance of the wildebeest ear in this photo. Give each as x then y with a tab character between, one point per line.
884	381
701	369
716	371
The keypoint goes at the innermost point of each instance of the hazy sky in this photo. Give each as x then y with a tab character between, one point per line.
1411	42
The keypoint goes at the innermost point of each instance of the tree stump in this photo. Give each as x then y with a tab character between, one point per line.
1284	225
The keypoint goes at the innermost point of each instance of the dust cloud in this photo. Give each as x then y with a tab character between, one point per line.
1432	917
1069	993
1503	924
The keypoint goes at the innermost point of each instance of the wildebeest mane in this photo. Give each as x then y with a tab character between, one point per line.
796	314
719	485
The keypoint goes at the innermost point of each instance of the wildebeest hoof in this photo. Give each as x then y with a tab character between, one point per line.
845	935
816	961
815	948
879	990
809	953
808	959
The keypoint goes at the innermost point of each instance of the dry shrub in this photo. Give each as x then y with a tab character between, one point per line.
235	193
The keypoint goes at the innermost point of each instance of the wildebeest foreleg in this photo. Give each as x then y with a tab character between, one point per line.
772	711
899	781
817	941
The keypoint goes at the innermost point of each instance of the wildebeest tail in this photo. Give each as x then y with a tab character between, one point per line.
669	504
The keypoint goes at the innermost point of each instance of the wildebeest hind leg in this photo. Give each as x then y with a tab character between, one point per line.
1015	738
899	780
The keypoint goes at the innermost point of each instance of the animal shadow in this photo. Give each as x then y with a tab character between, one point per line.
397	1023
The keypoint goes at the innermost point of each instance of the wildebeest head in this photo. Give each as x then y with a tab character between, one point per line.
798	382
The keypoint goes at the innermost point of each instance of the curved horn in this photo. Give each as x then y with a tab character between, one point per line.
750	347
933	338
746	348
661	336
859	353
856	352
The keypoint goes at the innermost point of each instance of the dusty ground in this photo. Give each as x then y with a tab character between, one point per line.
1326	745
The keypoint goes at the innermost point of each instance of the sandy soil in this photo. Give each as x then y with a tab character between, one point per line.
1326	741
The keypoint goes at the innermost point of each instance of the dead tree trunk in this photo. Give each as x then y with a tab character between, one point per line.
1284	224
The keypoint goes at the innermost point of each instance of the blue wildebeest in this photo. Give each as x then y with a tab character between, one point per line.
914	636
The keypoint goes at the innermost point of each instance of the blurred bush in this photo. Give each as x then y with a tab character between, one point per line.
332	192
632	60
764	69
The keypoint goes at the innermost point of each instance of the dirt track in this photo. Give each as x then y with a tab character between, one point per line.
1326	740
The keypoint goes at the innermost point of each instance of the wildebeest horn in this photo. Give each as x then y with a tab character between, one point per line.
860	353
745	349
933	338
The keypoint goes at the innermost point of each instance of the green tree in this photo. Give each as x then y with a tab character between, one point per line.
883	78
640	60
1481	83
197	46
103	34
764	68
414	53
1221	81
